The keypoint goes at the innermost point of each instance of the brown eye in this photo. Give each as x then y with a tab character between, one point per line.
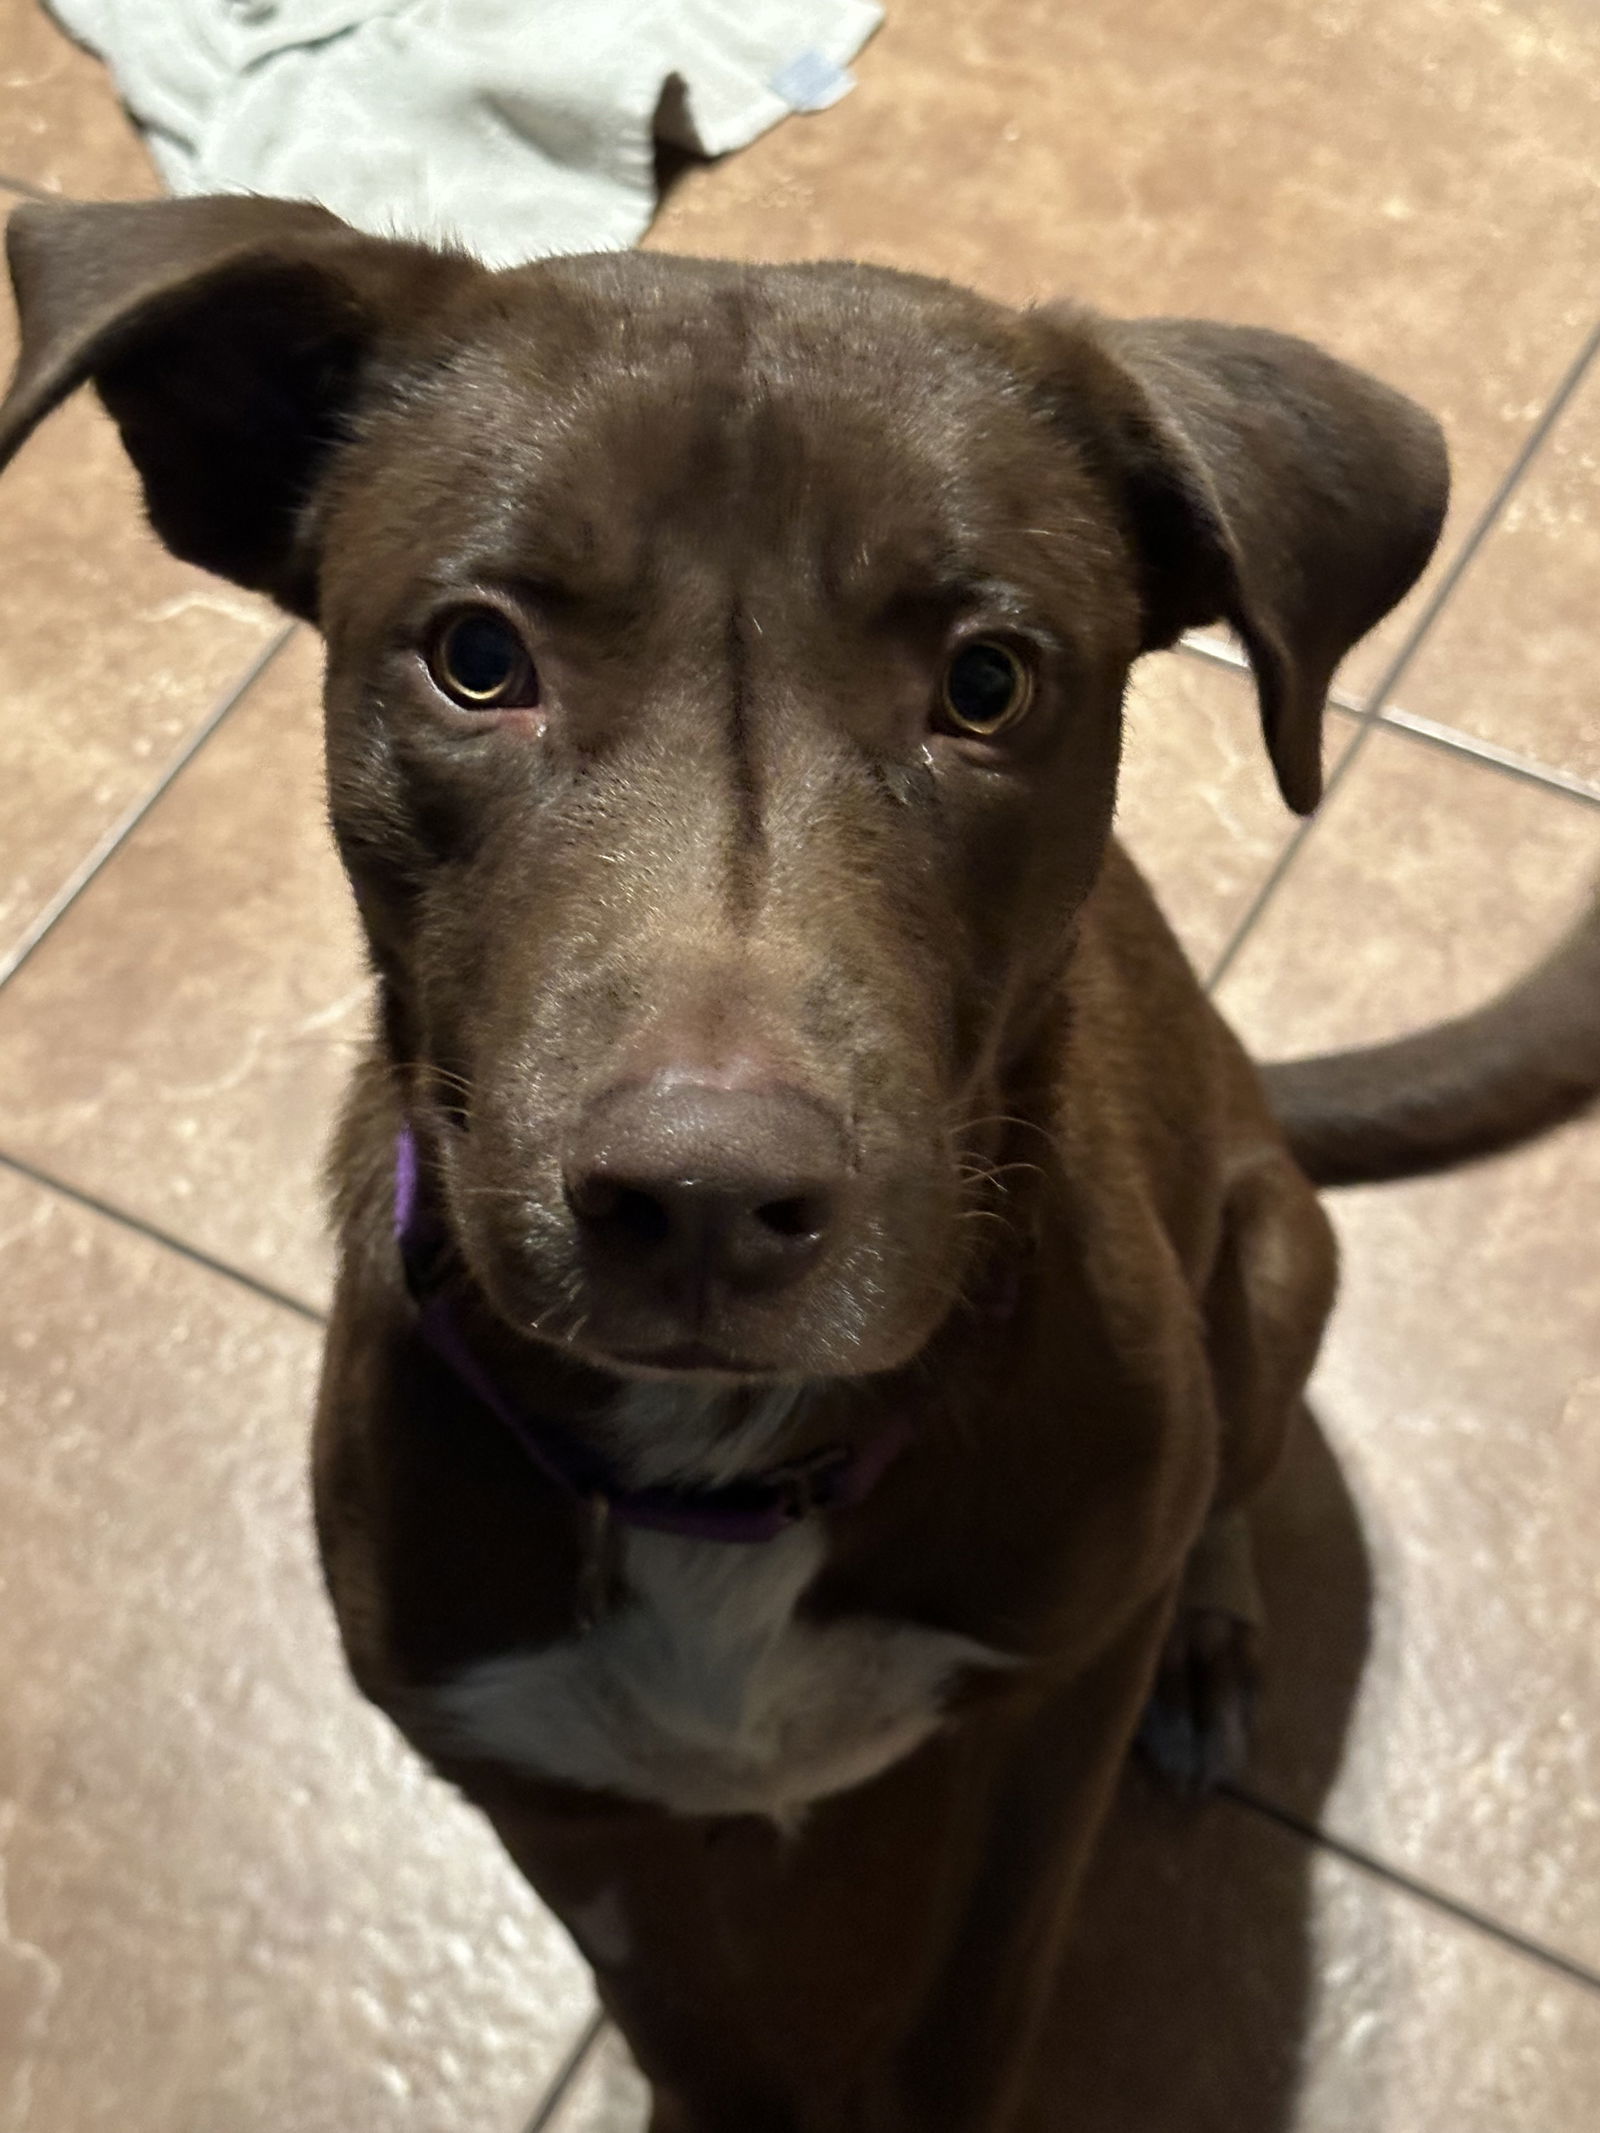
479	660
986	689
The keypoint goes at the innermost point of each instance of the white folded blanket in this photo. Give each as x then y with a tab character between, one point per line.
514	127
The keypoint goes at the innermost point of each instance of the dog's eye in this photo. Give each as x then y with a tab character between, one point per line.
986	689
478	659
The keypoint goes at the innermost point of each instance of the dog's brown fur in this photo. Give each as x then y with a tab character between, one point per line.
745	513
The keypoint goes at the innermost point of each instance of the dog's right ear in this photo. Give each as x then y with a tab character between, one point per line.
231	340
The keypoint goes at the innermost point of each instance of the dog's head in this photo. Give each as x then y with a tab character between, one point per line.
724	681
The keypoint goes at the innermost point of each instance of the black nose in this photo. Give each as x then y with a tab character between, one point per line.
698	1186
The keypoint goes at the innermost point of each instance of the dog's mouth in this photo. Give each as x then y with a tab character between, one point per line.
675	1361
865	1300
837	1324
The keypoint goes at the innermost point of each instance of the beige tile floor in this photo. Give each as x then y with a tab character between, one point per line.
227	1899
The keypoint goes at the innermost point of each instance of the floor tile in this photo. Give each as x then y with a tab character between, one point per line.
111	653
232	1901
1196	804
1428	881
1461	1381
61	126
1513	659
1380	175
178	1044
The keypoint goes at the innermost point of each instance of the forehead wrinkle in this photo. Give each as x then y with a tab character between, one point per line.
573	467
743	411
747	841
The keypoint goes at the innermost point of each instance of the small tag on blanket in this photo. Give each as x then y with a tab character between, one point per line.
812	82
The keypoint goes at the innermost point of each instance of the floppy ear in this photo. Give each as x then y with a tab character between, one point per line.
231	340
1267	486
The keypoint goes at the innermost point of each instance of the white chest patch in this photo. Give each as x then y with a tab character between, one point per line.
702	1691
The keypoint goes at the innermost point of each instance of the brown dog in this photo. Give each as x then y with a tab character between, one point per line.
816	1270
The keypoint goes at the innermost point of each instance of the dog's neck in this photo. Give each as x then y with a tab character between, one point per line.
691	1432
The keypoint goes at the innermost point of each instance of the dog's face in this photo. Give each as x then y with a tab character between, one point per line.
723	704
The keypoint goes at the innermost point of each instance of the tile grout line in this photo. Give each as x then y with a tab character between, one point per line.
1412	726
1488	755
1464	1914
113	839
565	2077
1411	644
20	1167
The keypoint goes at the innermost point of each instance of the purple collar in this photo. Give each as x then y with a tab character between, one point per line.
756	1508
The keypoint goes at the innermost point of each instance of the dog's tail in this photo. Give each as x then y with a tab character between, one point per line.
1462	1089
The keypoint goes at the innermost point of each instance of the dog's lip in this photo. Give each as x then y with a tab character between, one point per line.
679	1359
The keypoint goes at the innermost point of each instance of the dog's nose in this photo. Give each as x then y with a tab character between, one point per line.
701	1185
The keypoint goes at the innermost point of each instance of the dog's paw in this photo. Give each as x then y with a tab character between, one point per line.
1196	1728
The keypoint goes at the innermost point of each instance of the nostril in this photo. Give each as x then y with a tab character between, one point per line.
593	1198
804	1216
628	1212
639	1216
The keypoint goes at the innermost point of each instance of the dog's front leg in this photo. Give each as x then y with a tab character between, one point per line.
765	1979
971	2062
884	1967
1264	1307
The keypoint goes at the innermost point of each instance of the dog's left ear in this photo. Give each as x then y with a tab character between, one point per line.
1265	485
232	339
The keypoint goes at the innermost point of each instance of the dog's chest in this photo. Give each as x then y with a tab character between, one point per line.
703	1690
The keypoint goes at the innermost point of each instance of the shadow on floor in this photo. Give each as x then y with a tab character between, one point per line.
1188	1988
